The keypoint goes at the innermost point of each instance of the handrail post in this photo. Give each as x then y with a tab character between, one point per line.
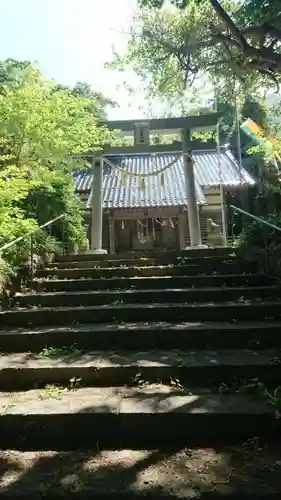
229	223
232	222
31	270
266	263
232	213
64	249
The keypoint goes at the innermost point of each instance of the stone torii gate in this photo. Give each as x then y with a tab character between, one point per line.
141	130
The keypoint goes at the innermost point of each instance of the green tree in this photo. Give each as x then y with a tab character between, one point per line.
172	51
12	73
244	36
41	132
46	128
97	103
169	49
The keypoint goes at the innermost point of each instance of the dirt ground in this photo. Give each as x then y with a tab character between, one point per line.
184	473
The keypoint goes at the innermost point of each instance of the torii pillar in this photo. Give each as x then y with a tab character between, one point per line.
190	189
97	208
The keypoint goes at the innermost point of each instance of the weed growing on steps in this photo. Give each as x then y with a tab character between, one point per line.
117	302
54	352
75	383
140	381
52	391
247	386
259	389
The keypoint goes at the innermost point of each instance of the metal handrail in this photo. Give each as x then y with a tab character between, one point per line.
257	219
20	238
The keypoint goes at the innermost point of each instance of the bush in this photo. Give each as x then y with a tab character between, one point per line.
42	130
6	274
254	238
26	205
53	196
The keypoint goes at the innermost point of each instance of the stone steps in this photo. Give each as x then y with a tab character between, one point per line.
123	390
141	336
149	282
205	368
206	311
128	416
155	254
172	295
163	260
146	271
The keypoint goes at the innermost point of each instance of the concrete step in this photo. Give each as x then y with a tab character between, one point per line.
144	261
140	283
233	472
141	336
173	295
146	271
81	264
122	416
228	311
154	254
187	369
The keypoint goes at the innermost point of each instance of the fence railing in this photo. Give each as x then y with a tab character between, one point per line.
265	227
30	236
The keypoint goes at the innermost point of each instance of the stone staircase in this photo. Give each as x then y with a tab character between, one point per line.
138	352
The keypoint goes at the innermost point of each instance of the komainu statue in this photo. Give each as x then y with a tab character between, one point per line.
214	236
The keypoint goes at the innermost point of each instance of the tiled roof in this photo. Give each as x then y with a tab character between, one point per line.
124	193
83	182
206	169
127	193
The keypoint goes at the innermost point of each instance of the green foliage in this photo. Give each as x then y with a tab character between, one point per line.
6	274
217	39
41	132
46	127
268	118
252	239
155	50
97	102
254	233
12	74
232	47
250	11
256	12
256	110
257	388
251	106
252	244
53	194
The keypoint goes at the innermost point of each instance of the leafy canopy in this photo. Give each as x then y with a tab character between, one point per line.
97	102
45	127
241	38
41	130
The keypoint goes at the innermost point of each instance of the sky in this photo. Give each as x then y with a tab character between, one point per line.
71	40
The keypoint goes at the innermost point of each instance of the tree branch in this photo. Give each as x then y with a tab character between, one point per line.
263	29
263	53
236	33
